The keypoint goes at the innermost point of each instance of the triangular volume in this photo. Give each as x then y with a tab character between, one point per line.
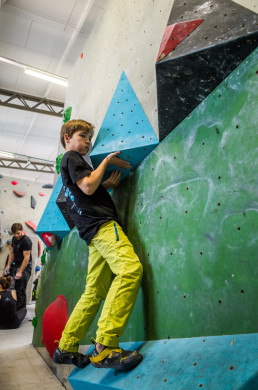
223	20
174	34
52	221
188	74
124	128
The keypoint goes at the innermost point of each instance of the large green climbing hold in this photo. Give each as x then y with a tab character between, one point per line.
58	162
67	114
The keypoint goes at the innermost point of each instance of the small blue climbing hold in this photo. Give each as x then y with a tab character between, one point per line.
37	268
1	176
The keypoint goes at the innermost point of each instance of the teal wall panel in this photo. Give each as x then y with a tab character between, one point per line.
52	220
190	209
213	363
125	128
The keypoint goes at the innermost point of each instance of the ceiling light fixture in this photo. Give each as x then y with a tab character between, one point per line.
6	154
12	62
39	73
29	159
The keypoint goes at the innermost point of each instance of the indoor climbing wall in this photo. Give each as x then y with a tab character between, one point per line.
190	209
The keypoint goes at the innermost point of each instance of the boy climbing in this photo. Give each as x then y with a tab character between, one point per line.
114	270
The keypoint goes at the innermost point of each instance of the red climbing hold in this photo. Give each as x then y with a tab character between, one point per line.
41	194
31	225
175	34
49	239
81	55
19	194
14	183
53	323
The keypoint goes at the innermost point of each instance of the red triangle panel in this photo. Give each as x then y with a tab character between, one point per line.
175	34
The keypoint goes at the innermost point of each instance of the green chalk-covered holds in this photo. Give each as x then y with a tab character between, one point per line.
35	322
58	162
67	114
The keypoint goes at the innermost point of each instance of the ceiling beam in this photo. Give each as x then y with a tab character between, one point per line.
27	165
31	103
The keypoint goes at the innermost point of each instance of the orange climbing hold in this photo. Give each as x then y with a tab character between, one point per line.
175	34
19	194
39	248
31	225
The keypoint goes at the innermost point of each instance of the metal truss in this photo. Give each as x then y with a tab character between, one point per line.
27	165
30	103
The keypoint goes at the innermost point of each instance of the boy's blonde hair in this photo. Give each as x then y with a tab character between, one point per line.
70	127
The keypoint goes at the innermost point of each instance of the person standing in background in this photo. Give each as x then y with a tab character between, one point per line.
20	254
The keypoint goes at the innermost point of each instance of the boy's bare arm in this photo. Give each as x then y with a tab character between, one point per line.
90	183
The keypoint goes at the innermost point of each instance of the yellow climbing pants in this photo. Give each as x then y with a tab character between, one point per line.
110	255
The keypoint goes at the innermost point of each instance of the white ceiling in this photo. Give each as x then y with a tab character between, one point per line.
48	35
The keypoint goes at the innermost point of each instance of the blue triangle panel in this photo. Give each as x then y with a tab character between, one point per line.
52	220
124	127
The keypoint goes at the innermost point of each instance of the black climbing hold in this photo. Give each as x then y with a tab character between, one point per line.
32	202
47	186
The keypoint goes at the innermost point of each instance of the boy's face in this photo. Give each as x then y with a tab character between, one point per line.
79	142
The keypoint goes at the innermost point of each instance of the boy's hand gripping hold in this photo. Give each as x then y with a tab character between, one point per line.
118	162
113	180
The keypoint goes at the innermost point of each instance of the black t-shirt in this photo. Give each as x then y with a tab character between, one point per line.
8	316
88	212
23	244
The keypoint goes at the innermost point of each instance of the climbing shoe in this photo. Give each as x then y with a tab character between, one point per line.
76	358
115	358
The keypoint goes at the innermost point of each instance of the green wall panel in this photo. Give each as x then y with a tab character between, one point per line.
190	210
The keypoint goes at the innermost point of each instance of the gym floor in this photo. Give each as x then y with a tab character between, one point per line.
21	365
